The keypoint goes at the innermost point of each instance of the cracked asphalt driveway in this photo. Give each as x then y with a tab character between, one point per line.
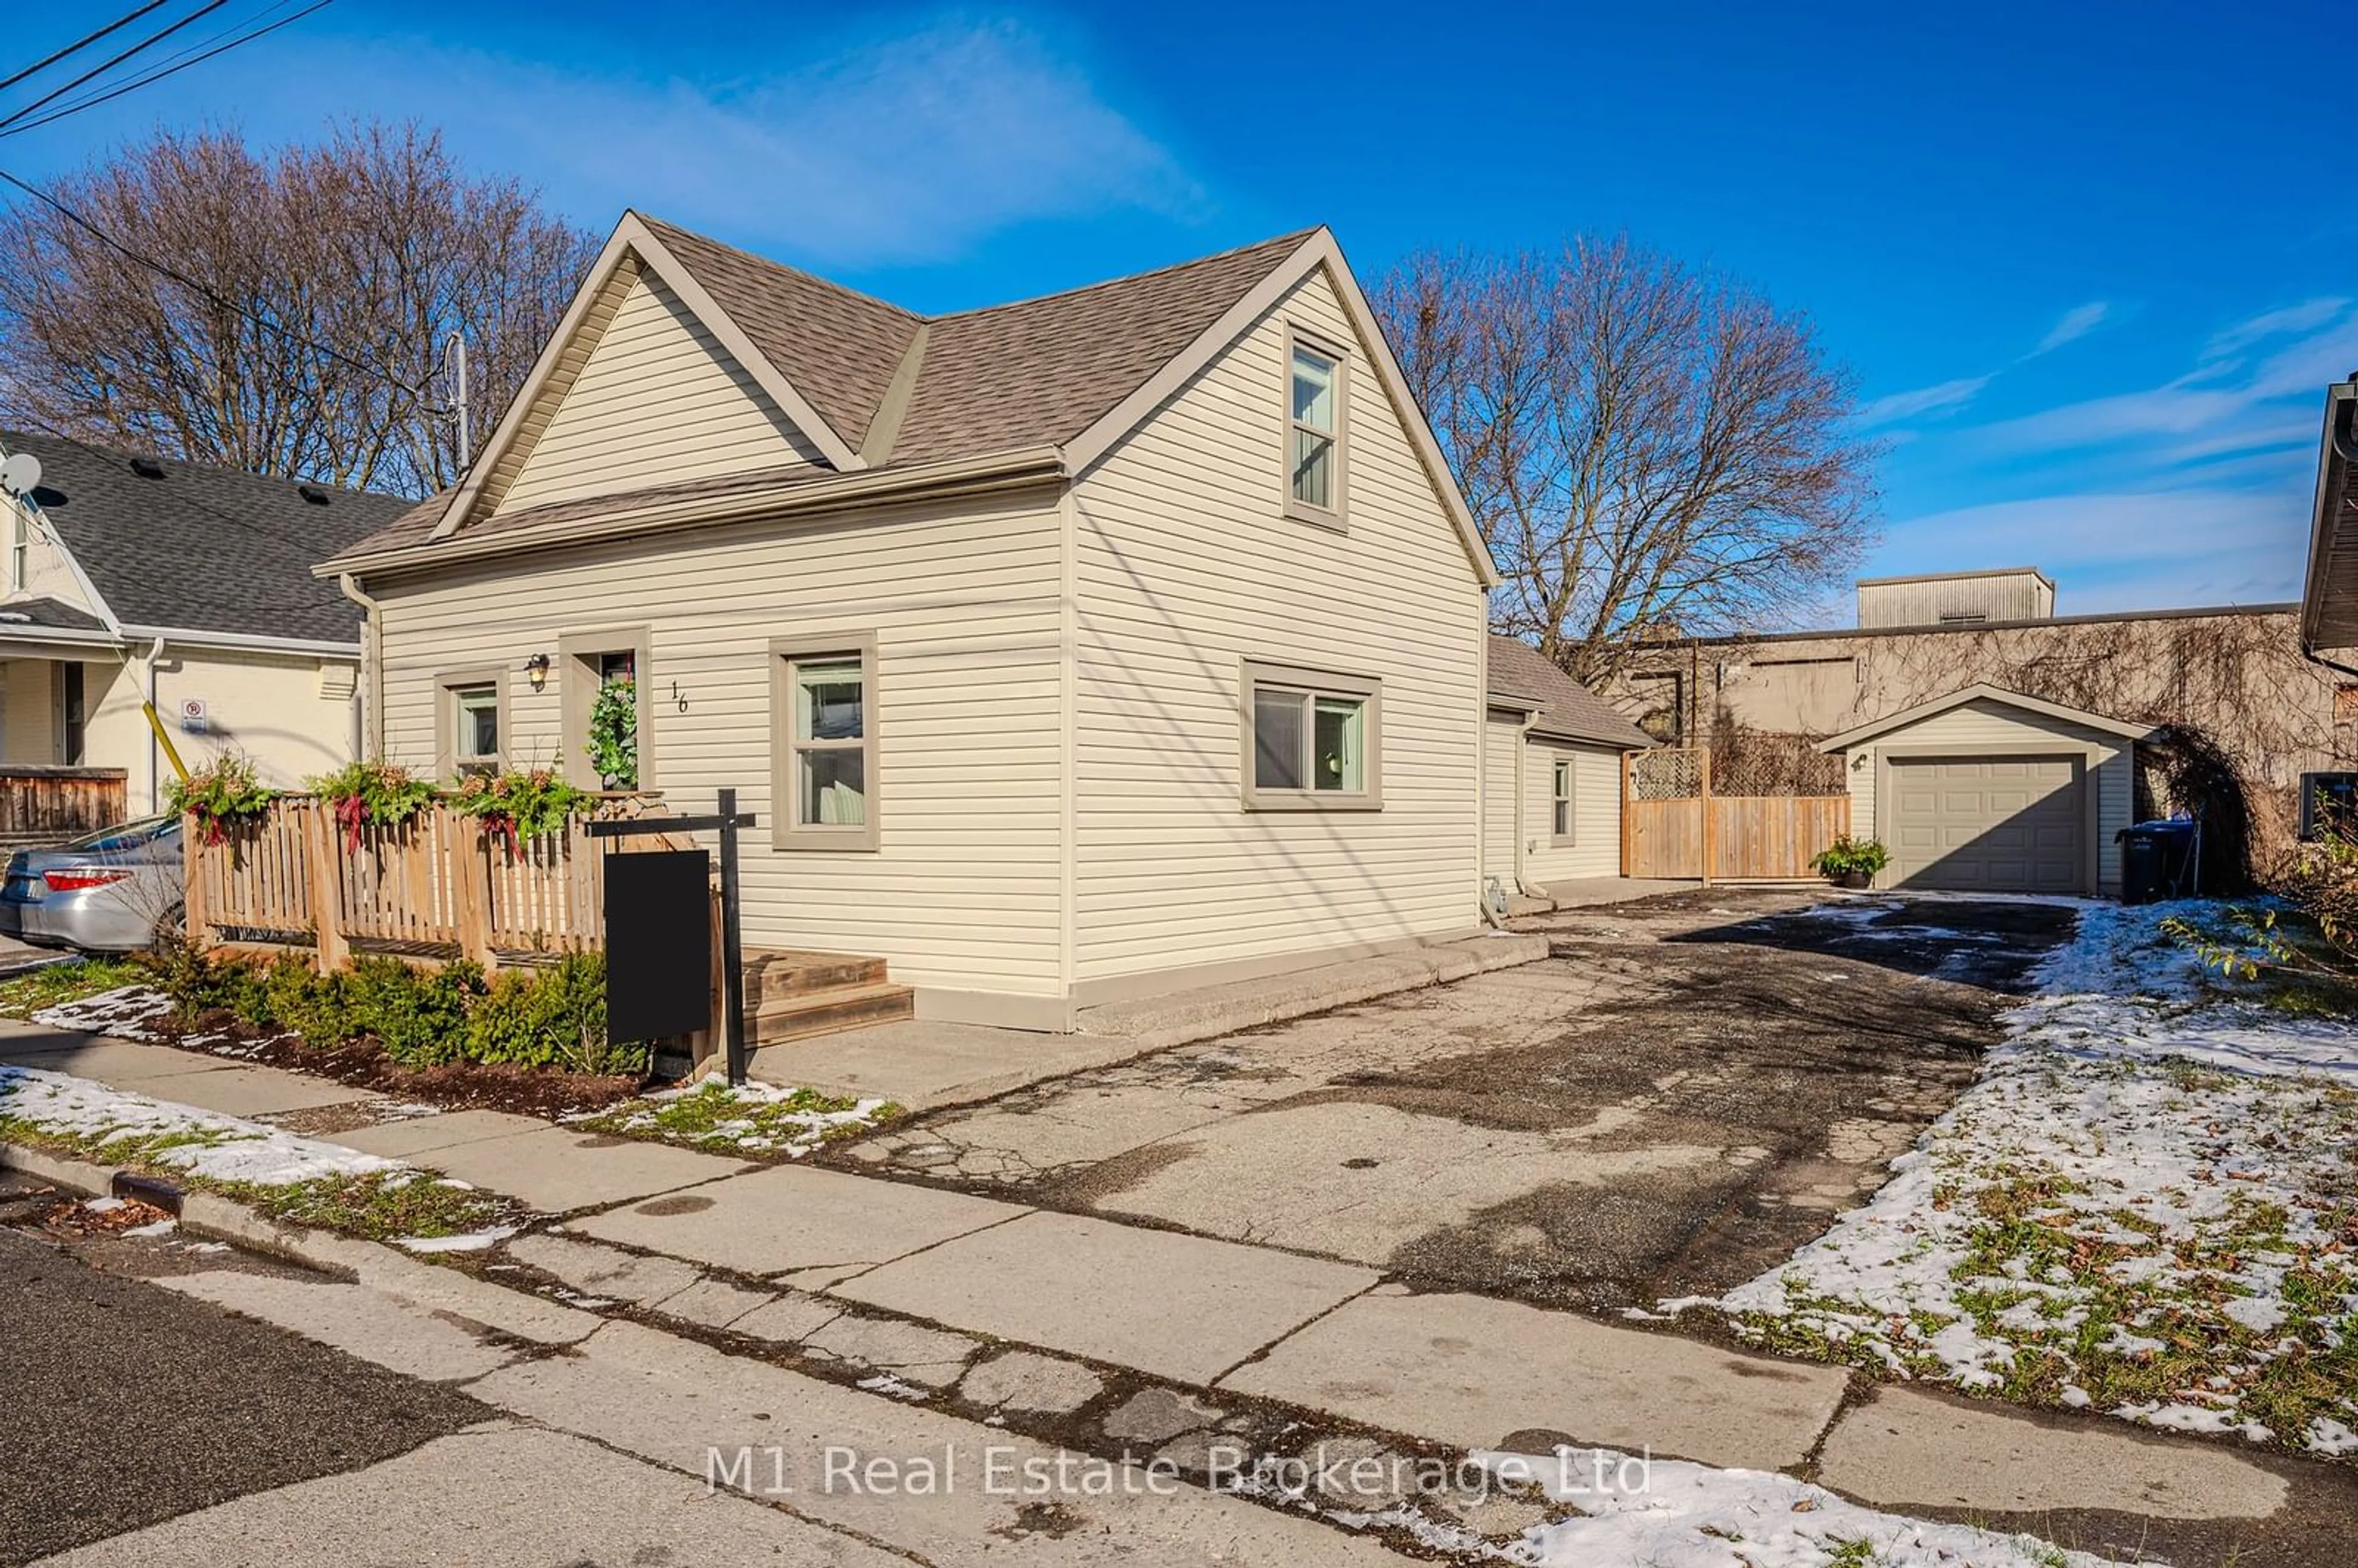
1686	1091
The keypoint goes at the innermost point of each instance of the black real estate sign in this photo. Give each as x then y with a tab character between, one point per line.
658	944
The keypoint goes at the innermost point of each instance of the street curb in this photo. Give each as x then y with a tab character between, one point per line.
61	1170
378	1265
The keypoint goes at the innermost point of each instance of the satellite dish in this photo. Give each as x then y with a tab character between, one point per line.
20	473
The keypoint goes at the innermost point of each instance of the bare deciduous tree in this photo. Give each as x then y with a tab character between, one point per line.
304	334
1648	448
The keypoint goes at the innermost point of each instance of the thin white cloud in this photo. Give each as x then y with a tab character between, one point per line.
1942	398
2072	325
2263	403
2306	317
900	148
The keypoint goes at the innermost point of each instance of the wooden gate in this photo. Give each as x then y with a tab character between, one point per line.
1675	826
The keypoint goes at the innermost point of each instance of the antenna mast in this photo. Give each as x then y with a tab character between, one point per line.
455	364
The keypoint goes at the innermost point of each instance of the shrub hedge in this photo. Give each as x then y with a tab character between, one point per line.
553	1017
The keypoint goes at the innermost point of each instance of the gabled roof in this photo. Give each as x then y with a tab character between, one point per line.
877	387
2329	605
1562	708
1985	692
199	549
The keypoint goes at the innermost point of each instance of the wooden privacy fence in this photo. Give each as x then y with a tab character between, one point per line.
48	805
1675	825
440	886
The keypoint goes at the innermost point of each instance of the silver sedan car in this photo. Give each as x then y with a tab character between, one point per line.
110	891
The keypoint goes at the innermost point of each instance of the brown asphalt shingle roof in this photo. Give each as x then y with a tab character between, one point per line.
1034	374
1567	709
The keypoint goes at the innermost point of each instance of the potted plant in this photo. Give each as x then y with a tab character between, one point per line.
1851	863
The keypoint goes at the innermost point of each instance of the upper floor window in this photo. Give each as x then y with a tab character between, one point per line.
1315	443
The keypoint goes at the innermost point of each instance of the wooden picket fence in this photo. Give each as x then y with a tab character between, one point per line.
1674	824
438	887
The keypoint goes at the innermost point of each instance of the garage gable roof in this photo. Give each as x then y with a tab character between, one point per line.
1984	692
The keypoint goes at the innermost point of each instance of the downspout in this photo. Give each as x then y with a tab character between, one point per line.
372	669
1522	785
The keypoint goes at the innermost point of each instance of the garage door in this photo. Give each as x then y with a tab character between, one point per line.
1988	824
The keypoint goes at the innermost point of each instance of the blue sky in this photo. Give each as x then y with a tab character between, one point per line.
2091	261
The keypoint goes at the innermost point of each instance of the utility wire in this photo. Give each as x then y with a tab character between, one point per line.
148	42
41	65
193	287
11	126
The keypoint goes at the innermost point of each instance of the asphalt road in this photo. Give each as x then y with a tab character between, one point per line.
123	1404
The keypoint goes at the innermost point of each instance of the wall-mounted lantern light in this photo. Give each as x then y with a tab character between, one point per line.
536	670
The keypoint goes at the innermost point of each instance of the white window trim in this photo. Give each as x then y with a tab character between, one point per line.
1565	766
1255	675
448	760
787	829
1337	515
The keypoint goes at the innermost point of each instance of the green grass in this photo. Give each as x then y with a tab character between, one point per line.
712	1116
383	1206
54	985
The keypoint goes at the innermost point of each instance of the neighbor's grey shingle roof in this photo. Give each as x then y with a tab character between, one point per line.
1034	374
1567	709
202	548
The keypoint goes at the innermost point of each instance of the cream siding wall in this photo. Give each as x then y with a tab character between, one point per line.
963	893
1186	566
1595	849
272	708
1985	729
1502	749
657	400
28	711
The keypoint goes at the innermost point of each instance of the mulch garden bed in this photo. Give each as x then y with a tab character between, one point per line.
461	1086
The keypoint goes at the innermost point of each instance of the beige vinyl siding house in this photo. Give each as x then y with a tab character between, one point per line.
996	620
1186	573
1552	804
129	578
1993	791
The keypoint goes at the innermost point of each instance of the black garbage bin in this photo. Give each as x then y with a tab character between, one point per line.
2156	860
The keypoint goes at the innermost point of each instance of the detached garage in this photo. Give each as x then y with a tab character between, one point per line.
1990	791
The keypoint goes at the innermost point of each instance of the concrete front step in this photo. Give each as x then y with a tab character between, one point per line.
800	1015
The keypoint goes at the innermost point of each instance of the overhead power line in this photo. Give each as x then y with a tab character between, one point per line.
141	46
193	286
173	66
79	44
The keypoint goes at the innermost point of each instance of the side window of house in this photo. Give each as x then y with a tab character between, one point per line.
825	763
474	713
1314	447
1562	824
1312	741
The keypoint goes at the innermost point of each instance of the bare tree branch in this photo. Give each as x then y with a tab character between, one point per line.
326	280
1648	448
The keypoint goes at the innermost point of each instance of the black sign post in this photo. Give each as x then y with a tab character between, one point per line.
641	904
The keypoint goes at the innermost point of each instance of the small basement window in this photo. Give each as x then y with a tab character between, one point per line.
1314	441
1312	741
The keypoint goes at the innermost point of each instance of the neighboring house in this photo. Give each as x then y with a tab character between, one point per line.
130	577
1070	650
1552	775
2226	680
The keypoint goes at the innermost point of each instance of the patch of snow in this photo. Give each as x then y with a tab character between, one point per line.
2180	1145
160	1227
895	1388
1668	1514
124	1012
104	1206
223	1148
471	1241
2327	1435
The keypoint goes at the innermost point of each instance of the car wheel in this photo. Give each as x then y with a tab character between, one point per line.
171	929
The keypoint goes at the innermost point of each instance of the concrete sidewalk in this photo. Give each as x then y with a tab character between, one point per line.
915	1288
